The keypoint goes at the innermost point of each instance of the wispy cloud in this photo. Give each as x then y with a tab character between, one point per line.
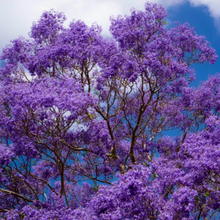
213	8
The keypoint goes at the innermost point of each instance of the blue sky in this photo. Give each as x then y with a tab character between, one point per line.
17	16
206	25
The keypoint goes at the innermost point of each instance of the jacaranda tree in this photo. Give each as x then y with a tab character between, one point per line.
84	121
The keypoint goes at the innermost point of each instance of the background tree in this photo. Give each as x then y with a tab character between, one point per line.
77	110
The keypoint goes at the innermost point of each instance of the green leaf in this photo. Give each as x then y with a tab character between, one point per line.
206	194
91	116
164	22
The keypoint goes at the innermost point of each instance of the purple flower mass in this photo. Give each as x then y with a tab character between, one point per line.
79	111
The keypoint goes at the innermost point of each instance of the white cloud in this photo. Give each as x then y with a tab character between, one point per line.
17	15
213	6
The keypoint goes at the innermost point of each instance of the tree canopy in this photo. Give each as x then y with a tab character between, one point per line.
84	122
